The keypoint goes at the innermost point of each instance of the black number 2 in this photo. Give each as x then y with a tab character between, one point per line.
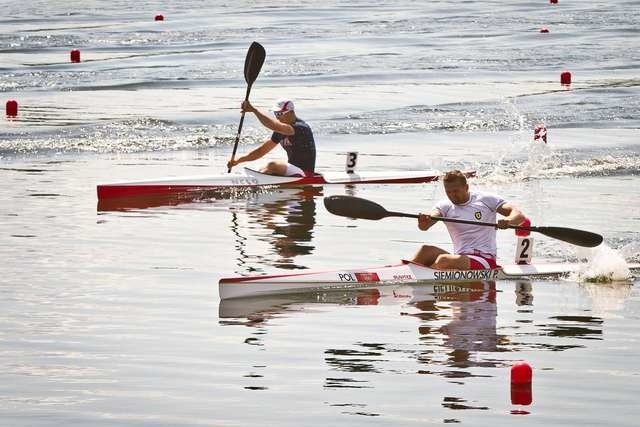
526	243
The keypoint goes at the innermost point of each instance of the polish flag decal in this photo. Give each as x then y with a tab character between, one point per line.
367	277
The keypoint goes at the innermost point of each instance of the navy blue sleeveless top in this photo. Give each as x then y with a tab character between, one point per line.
300	147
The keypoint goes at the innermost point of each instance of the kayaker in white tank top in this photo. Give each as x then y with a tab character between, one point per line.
474	246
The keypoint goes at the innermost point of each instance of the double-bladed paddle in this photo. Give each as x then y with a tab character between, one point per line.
355	207
252	65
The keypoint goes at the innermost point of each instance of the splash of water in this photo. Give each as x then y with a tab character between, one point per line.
604	265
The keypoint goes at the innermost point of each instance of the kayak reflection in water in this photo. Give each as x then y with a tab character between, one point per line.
290	132
290	217
474	246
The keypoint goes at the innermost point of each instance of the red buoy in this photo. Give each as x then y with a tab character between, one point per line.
565	78
521	373
12	108
540	132
544	30
553	1
159	17
75	55
521	394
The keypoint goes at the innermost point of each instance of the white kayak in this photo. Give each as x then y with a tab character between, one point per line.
405	272
253	178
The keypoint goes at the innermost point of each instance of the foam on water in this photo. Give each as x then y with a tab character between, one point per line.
543	162
604	265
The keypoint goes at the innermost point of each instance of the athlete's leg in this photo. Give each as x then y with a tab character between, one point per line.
293	170
427	255
275	167
448	261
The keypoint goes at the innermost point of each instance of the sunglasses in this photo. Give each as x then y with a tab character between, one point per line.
280	113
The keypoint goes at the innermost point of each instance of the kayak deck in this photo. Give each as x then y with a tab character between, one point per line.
252	178
405	272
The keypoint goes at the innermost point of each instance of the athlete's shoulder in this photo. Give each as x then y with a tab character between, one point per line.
483	195
299	123
489	199
443	206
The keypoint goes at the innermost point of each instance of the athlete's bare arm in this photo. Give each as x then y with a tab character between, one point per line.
512	216
263	149
267	121
425	221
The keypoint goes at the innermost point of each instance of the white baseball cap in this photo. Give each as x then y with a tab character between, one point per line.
283	105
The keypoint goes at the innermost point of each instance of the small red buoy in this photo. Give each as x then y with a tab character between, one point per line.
159	17
544	30
540	132
75	55
521	394
565	78
521	373
12	108
553	1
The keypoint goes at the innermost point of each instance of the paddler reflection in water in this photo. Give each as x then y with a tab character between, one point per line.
291	133
288	215
466	316
474	246
293	237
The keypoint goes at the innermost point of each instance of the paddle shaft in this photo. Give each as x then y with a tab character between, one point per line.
461	221
252	65
571	235
235	145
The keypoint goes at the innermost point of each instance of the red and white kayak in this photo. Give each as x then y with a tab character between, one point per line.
253	178
405	272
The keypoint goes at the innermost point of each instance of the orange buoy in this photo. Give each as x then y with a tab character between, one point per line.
540	132
75	55
159	17
12	108
565	78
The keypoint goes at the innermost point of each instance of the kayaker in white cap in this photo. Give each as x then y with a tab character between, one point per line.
291	133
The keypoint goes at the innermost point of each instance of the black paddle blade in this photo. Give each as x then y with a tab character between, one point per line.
354	207
253	62
571	235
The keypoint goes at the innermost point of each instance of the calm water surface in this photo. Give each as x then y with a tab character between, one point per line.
110	315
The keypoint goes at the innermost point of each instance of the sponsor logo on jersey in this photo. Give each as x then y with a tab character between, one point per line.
478	215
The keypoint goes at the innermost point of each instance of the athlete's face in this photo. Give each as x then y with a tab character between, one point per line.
457	192
285	116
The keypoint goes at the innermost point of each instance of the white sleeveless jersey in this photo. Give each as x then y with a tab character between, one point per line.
466	238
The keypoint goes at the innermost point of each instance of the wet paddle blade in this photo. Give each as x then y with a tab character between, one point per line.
354	207
253	62
571	235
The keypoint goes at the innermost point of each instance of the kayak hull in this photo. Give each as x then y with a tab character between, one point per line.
402	273
251	178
